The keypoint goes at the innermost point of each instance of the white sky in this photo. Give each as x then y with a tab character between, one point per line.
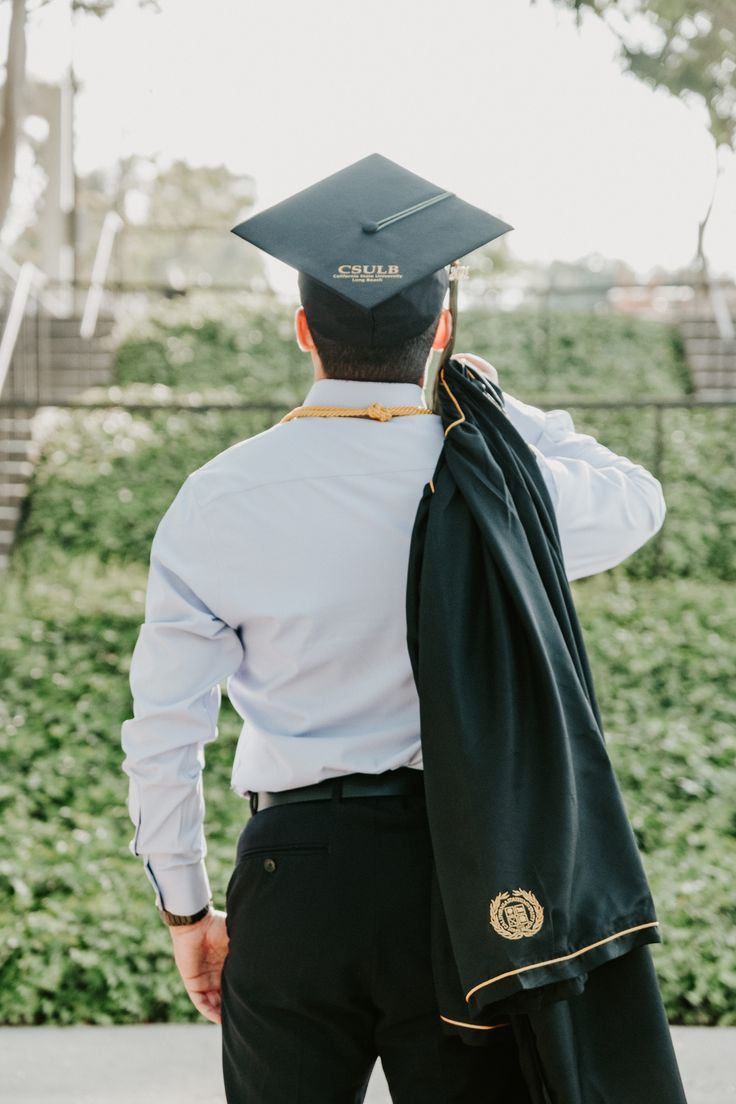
503	101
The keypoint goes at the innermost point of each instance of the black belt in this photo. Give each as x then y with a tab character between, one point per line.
403	780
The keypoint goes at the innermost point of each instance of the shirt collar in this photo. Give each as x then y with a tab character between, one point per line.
357	393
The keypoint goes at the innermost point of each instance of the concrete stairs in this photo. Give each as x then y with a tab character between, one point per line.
17	456
52	364
712	360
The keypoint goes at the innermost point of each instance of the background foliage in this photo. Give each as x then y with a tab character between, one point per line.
108	475
79	938
687	47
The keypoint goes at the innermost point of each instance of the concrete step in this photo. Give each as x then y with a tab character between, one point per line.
17	391
66	327
716	394
72	384
9	515
11	493
64	394
65	360
703	333
72	376
712	364
697	326
68	344
722	381
17	450
14	472
710	361
6	540
79	379
714	378
707	344
19	428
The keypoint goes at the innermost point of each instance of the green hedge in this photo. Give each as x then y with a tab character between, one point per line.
663	656
256	358
565	353
588	356
79	937
697	475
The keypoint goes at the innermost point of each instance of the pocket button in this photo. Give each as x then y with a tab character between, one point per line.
269	865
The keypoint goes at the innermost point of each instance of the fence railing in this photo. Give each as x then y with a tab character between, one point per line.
111	225
650	439
21	339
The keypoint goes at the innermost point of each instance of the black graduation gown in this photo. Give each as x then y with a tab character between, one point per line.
541	910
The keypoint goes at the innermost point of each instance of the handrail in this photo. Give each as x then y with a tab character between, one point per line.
8	265
12	269
111	223
27	274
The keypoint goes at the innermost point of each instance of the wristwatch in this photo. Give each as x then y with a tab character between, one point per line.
174	921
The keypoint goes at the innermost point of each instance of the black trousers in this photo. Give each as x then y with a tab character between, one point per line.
328	964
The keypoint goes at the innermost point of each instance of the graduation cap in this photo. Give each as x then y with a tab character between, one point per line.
371	243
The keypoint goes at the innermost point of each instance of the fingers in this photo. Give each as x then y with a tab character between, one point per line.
200	956
208	1004
481	365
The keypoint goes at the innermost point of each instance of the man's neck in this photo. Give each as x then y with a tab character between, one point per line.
357	393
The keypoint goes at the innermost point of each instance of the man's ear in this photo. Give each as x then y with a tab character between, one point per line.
444	329
304	339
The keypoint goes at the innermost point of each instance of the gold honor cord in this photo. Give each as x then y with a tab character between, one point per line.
377	411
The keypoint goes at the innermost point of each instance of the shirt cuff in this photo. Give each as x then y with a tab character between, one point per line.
180	888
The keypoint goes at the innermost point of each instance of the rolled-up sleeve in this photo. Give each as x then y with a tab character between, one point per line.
183	652
606	506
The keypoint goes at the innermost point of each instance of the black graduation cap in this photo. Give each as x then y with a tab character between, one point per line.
370	243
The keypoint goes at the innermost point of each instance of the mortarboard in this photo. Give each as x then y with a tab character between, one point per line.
370	243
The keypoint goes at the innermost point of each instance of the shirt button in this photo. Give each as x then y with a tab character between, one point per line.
269	865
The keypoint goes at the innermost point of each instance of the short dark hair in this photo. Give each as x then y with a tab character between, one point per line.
402	363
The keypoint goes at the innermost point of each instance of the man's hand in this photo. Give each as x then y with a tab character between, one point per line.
477	362
199	953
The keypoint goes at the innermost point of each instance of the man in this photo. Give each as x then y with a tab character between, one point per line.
281	566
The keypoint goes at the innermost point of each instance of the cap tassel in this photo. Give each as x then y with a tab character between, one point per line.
457	273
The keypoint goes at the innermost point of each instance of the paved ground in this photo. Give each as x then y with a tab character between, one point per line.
180	1064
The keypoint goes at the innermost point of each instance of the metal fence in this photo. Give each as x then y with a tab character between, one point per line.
650	448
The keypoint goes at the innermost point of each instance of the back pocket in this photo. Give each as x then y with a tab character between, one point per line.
280	848
250	858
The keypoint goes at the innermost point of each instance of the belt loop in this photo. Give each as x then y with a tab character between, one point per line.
253	802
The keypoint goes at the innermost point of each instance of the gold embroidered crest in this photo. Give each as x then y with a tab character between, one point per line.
516	914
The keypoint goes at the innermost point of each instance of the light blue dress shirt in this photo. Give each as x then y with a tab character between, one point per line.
280	567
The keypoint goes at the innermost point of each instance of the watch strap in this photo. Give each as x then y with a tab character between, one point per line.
174	920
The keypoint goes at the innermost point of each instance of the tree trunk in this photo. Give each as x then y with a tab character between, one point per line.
12	96
701	260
